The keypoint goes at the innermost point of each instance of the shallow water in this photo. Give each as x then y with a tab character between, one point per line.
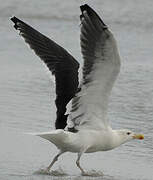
27	94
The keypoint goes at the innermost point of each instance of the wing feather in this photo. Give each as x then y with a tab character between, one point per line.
59	62
100	70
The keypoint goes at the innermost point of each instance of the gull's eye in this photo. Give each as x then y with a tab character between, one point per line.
128	133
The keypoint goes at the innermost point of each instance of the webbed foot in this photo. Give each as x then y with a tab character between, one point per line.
92	173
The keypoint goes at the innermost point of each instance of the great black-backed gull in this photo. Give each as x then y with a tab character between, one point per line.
86	128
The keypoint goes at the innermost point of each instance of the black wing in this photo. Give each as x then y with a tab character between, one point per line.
59	62
92	29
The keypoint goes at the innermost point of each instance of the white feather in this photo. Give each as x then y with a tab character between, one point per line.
94	96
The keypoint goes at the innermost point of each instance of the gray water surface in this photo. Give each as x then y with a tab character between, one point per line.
27	93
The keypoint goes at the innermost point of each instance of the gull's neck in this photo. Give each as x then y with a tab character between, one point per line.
117	138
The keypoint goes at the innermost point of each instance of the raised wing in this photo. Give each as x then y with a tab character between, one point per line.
59	62
101	67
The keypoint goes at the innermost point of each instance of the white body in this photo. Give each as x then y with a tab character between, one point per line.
85	140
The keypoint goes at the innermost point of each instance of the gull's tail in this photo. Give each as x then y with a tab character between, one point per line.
57	137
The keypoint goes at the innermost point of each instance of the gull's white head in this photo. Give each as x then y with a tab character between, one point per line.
127	135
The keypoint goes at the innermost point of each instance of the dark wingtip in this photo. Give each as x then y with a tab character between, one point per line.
16	21
84	7
91	12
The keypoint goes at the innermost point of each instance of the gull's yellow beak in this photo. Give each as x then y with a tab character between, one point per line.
138	136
